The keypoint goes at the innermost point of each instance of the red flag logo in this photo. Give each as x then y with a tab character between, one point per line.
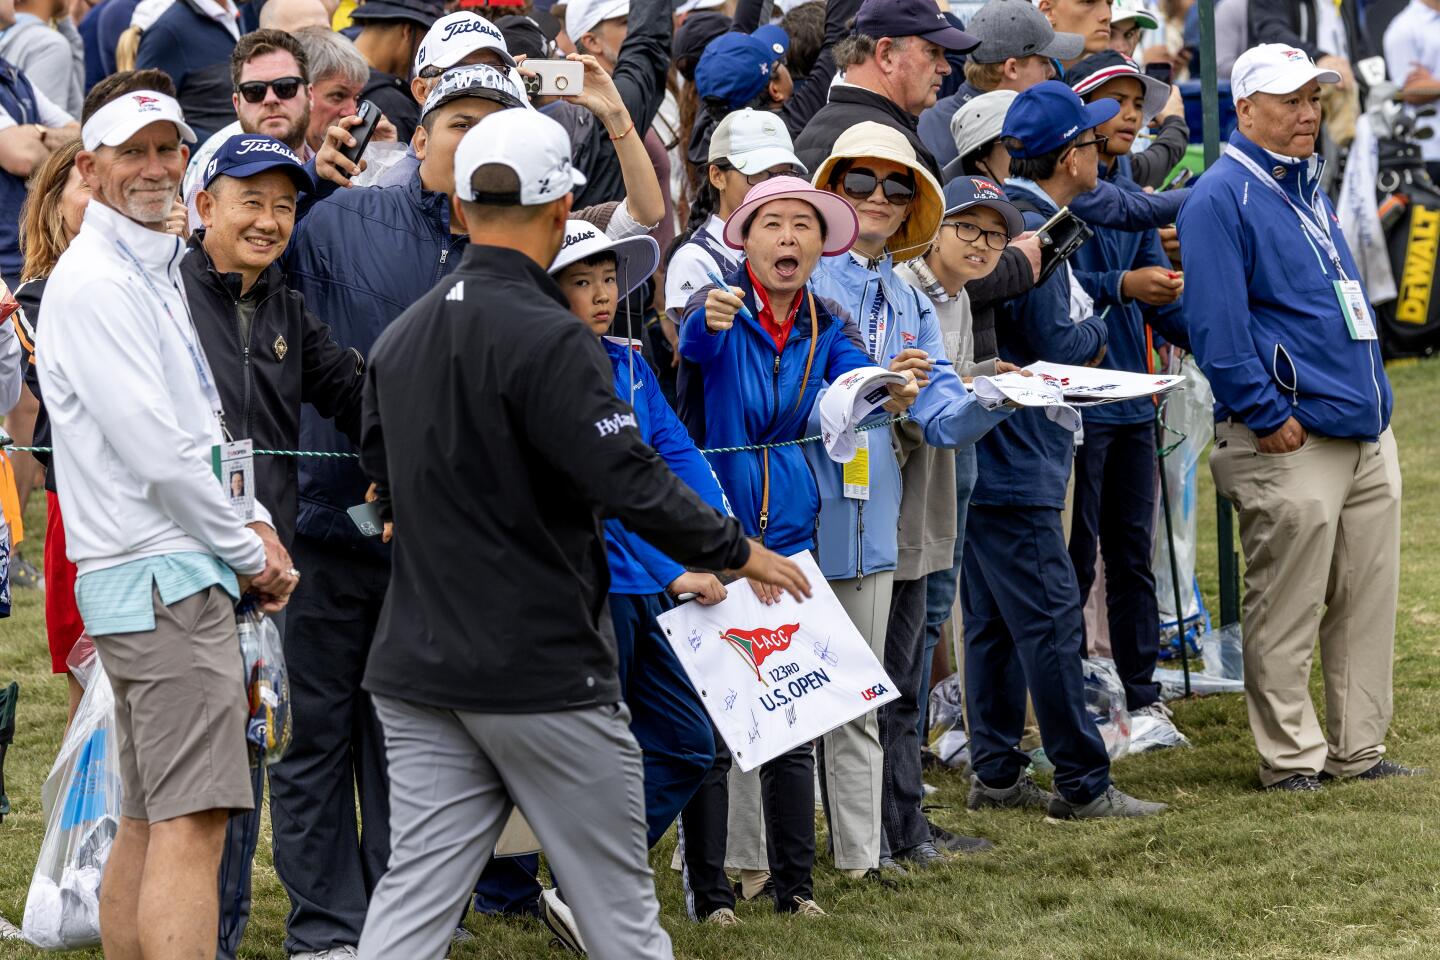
755	645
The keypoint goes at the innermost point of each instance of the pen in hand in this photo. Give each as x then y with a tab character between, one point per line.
744	310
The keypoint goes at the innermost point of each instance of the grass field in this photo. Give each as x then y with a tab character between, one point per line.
1229	872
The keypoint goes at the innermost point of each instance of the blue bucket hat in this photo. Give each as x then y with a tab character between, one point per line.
736	67
1050	115
246	154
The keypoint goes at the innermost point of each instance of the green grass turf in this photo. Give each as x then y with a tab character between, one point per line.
1228	872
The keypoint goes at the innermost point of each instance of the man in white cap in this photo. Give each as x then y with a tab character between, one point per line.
162	553
493	694
1282	326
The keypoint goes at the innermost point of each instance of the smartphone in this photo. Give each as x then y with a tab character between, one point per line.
1181	179
1161	71
1060	217
369	115
555	78
366	517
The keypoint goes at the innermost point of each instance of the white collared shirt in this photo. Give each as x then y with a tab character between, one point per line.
1411	40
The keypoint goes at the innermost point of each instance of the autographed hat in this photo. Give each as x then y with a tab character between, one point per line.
1049	115
456	36
635	257
535	147
1275	68
127	115
847	402
246	154
481	81
1016	28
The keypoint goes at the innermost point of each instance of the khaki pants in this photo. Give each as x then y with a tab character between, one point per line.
1321	532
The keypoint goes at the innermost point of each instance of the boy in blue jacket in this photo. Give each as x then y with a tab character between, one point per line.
1022	608
1133	283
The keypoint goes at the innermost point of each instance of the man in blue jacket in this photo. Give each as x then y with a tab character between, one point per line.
192	41
1023	623
1282	327
359	258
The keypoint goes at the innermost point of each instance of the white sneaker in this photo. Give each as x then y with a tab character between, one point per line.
561	921
343	952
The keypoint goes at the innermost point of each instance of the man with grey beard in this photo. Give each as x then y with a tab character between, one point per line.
162	552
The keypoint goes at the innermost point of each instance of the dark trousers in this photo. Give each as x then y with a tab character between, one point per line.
1023	628
901	790
676	741
787	795
1115	503
940	586
327	863
242	835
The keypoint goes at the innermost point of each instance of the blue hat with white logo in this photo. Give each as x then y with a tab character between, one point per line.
736	67
247	154
962	193
1050	115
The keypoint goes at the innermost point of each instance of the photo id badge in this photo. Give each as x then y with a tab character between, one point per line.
857	471
234	465
1355	309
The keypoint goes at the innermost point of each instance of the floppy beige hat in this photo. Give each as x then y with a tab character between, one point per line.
871	139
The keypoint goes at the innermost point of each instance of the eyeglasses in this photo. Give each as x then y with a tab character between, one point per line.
253	91
1099	143
969	232
752	179
859	184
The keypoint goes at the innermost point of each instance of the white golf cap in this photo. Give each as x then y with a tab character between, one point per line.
690	6
582	16
482	81
455	36
529	143
849	401
1275	68
1134	10
635	257
752	141
127	115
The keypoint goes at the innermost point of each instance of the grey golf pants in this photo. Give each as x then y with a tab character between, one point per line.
454	778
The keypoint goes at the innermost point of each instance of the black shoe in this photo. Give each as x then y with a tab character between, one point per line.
1385	769
924	855
955	843
1298	783
889	867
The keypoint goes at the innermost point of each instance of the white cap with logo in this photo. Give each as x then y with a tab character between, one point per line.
752	141
635	257
582	16
127	115
535	147
454	37
1275	68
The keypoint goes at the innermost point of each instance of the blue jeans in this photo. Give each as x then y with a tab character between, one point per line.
940	586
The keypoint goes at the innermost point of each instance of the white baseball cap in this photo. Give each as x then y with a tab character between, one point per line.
1134	10
127	115
635	257
753	140
582	16
529	143
847	402
1275	68
454	37
690	6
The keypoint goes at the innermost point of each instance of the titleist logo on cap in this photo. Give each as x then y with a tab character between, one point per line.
471	26
266	146
573	238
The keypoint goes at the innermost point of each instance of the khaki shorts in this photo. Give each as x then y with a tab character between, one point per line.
180	710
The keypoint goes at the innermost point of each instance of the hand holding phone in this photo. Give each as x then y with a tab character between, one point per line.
554	78
369	115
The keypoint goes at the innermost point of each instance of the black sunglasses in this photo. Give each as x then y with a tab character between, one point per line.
1099	143
859	183
253	91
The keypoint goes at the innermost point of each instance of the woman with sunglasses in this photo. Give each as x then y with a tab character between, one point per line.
765	344
899	206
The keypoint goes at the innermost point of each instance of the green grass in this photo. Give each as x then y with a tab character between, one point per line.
1229	872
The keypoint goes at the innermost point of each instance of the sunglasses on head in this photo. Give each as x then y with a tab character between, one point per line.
253	91
859	183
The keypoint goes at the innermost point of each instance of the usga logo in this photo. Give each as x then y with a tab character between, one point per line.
755	645
876	691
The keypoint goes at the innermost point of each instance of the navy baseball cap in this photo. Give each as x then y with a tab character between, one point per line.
423	12
736	67
962	193
912	18
1050	115
247	154
693	36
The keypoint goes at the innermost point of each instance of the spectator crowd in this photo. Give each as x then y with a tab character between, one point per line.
563	333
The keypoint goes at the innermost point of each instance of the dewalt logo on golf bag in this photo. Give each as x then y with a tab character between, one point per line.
1418	274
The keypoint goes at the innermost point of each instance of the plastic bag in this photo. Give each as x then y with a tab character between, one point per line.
947	724
1224	656
1172	684
266	681
380	156
1189	424
81	800
1152	733
1105	702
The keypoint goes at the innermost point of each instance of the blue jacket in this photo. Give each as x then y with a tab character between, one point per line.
115	16
1260	301
859	537
195	50
1100	264
636	566
1025	461
1109	205
754	395
17	98
360	258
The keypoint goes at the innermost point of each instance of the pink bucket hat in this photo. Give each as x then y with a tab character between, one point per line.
842	226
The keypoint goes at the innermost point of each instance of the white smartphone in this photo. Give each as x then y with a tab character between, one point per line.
557	78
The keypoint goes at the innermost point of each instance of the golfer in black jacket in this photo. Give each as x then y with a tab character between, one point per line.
493	433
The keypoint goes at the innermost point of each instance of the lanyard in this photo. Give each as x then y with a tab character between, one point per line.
877	321
190	337
1316	224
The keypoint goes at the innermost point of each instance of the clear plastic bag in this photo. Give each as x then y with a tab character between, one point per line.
1105	702
266	681
81	800
1224	655
947	724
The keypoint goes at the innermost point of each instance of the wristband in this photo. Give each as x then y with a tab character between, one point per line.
625	134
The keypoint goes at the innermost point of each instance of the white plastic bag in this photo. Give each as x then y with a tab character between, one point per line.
1189	424
947	724
1223	653
1105	702
81	801
267	682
